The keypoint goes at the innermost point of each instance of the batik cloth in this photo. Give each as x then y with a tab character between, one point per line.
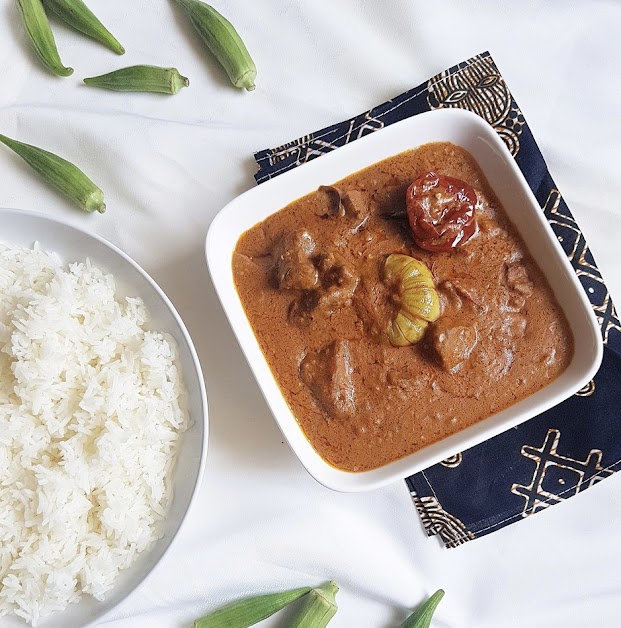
555	455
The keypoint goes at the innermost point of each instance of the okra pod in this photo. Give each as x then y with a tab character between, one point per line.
77	15
250	611
224	42
318	608
141	78
40	34
61	174
421	617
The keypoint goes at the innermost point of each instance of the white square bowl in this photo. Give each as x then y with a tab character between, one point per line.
482	142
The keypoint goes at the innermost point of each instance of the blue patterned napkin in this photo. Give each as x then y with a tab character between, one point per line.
556	454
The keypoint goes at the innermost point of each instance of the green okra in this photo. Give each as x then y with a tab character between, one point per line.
224	42
421	617
318	608
40	34
141	78
77	15
61	174
250	611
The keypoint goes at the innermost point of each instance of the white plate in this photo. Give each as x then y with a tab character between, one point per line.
476	136
24	228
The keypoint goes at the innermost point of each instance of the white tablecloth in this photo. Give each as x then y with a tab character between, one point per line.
169	164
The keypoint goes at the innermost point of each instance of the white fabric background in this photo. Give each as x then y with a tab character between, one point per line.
169	164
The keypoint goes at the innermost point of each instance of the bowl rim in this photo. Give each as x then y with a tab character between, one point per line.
204	414
338	479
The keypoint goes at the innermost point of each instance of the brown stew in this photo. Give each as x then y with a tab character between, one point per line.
313	281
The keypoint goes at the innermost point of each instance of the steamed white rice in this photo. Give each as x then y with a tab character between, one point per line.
91	411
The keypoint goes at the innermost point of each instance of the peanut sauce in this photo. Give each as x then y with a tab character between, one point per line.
310	280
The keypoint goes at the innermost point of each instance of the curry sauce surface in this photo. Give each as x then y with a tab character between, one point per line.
361	402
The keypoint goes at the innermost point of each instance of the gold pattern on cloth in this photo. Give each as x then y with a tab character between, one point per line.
587	390
310	146
578	249
452	461
479	87
557	477
438	521
359	129
303	149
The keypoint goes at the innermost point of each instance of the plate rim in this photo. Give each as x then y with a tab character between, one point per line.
204	415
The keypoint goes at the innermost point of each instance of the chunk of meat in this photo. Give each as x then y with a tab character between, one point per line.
301	310
292	261
338	283
328	373
459	296
517	279
356	203
333	271
515	302
453	345
350	203
513	326
391	200
335	201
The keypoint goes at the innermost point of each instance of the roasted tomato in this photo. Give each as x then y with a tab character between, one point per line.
441	211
